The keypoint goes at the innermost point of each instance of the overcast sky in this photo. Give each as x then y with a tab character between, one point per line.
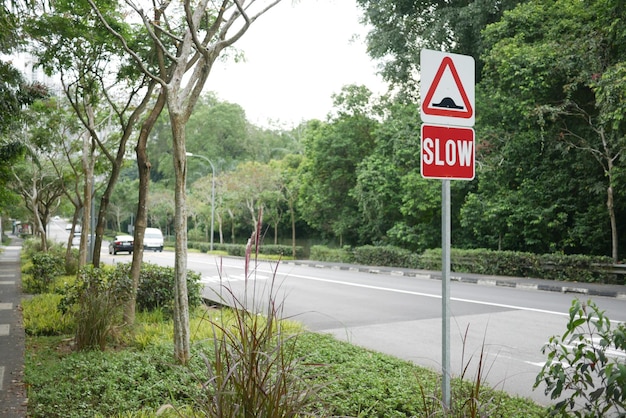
297	56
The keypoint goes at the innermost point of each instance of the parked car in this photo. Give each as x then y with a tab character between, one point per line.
153	239
121	243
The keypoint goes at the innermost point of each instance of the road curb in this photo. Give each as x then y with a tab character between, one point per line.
587	289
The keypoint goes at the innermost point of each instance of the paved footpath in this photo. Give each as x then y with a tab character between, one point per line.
13	400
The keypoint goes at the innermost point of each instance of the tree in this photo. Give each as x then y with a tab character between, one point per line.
290	187
536	54
102	95
186	39
333	151
378	189
15	95
400	29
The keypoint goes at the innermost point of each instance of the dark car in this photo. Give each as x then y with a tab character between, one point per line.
121	243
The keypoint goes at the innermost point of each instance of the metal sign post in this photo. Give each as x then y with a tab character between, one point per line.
445	291
448	149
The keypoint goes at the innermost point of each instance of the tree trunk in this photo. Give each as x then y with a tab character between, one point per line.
87	196
614	239
293	227
141	218
181	302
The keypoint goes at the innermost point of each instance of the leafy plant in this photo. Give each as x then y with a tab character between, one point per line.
253	370
44	269
580	367
43	317
96	300
156	287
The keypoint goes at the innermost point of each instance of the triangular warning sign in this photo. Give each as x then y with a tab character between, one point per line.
440	100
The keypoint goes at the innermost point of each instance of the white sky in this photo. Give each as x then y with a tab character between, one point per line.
296	56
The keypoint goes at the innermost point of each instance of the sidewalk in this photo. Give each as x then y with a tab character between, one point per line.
13	399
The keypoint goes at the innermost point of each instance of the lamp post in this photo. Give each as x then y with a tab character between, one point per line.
189	154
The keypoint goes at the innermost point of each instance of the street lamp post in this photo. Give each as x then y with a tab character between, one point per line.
189	154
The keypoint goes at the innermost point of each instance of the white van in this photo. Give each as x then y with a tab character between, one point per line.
153	239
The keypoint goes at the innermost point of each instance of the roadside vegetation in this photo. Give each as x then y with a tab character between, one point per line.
247	361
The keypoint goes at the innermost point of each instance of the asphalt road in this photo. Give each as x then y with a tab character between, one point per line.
401	315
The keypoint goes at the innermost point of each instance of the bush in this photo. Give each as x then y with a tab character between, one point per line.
42	316
572	268
96	300
106	384
383	256
156	287
239	250
579	268
579	367
337	255
44	269
252	368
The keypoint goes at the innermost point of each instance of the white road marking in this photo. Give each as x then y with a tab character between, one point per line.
231	279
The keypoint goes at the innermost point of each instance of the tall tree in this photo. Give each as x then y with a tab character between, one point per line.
333	151
186	38
401	28
108	95
15	94
559	61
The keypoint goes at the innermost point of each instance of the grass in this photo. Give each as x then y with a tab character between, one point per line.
138	378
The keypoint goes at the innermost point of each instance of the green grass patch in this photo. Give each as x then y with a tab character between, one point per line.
139	379
42	316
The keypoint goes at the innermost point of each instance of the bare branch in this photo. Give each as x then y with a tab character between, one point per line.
121	38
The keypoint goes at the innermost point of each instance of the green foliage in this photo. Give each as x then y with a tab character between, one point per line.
252	368
362	383
580	367
328	173
156	287
348	380
93	383
96	301
239	250
384	256
42	316
400	29
338	255
44	269
571	268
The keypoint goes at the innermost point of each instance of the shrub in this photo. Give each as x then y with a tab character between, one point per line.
252	369
156	287
383	256
106	384
579	268
44	269
337	255
239	250
96	300
580	368
42	316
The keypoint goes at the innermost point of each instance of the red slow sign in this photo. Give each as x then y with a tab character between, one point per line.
447	152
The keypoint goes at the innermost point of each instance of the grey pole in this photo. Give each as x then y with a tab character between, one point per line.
445	292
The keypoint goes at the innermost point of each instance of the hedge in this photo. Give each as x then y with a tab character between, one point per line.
239	250
561	267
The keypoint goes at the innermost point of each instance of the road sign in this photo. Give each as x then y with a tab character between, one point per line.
447	152
447	88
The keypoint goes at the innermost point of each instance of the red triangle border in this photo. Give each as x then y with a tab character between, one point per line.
447	62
